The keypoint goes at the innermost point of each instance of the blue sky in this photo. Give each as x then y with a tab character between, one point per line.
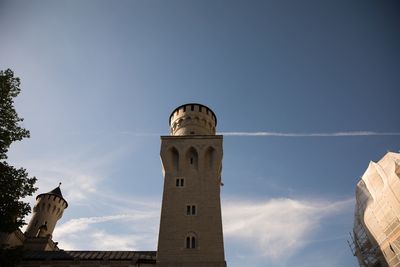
100	78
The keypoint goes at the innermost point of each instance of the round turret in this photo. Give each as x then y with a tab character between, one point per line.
192	119
47	211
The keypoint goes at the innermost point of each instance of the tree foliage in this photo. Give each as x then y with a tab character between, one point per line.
14	183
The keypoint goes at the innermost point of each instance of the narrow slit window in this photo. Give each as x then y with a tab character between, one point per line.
188	210
179	182
193	210
193	242
188	242
192	158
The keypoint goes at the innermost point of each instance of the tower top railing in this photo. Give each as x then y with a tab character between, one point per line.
192	119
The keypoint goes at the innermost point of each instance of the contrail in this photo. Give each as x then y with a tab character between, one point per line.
277	134
336	134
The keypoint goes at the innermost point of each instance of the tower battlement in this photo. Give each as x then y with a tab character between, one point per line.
191	224
192	119
47	211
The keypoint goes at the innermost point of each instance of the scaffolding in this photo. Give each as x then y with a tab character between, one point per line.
368	254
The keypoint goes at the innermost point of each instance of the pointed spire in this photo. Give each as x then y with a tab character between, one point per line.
56	191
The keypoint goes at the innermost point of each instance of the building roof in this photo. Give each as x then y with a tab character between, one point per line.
82	255
55	192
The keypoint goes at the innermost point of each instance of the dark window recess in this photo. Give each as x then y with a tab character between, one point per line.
200	108
190	209
193	242
191	107
193	210
188	242
184	108
179	182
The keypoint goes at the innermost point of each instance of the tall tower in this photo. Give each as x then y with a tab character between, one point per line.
47	211
191	225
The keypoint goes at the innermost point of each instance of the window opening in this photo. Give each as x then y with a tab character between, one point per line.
193	242
187	242
192	158
179	182
190	210
175	159
192	107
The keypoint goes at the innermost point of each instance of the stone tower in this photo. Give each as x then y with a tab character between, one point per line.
47	211
191	226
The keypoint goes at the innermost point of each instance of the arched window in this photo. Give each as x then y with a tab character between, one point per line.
192	157
174	157
191	241
210	158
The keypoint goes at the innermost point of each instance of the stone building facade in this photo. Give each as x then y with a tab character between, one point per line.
376	232
190	227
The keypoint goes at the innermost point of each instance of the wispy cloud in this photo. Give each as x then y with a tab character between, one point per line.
333	134
80	224
136	231
288	224
87	167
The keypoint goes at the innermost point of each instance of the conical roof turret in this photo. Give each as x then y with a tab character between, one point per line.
55	192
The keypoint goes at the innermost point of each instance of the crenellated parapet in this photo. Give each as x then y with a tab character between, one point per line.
47	211
192	119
